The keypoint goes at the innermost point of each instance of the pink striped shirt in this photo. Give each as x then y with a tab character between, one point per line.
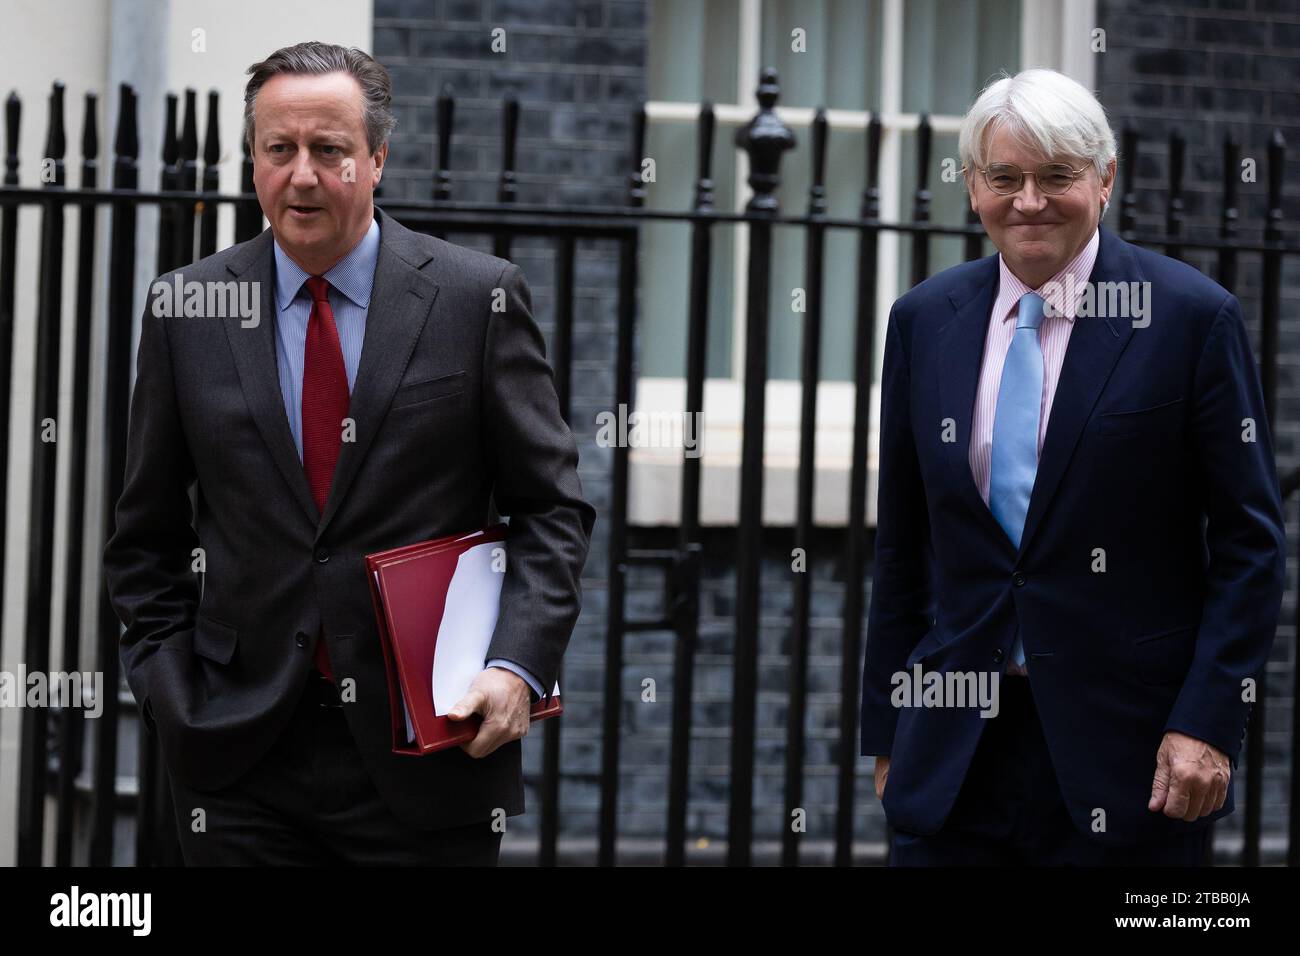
1063	292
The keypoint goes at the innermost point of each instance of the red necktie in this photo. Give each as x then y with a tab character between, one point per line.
324	406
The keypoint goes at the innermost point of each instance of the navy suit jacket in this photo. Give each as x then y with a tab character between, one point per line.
1145	457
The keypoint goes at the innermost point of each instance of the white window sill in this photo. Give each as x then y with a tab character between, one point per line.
655	473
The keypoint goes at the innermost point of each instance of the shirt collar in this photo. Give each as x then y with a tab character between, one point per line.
353	275
1062	291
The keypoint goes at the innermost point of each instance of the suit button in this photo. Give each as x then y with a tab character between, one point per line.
322	555
1018	579
300	639
998	656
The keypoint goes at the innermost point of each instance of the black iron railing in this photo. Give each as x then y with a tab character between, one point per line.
188	203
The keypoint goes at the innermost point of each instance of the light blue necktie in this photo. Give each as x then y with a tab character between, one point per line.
1015	429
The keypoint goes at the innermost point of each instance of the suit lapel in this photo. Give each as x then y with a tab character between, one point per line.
255	360
399	307
961	354
1095	346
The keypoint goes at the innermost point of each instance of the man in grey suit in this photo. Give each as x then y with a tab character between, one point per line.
337	386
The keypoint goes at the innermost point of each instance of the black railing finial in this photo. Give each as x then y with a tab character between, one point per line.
924	142
704	128
211	181
190	131
817	192
870	210
636	181
446	113
506	188
56	142
1128	159
765	138
212	133
248	212
1174	211
1229	216
89	138
13	114
1231	177
1276	166
171	144
126	144
921	201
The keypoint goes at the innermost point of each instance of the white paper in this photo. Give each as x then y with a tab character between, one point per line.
468	620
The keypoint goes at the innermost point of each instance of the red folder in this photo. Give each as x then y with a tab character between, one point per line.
409	587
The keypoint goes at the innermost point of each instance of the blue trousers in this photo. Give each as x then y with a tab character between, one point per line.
1010	811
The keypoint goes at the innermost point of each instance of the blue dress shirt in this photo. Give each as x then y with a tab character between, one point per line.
351	281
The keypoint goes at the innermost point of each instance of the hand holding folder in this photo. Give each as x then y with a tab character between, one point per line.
436	606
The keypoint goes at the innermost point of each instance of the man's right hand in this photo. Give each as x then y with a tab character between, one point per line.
882	774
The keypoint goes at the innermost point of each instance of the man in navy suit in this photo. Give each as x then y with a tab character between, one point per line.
1078	512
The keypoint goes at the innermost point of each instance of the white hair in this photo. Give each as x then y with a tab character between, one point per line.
1042	110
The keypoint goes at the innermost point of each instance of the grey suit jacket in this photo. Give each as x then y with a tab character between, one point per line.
454	406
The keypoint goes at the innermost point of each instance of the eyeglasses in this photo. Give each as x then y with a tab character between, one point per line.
1052	178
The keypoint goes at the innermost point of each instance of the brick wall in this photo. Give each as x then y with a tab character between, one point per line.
578	69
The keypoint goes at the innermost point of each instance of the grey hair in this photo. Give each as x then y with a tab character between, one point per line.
317	59
1043	110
